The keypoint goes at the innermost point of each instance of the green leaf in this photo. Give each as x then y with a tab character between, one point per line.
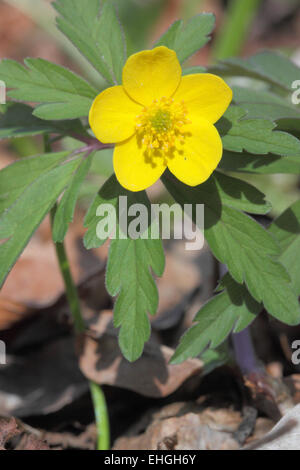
286	229
261	104
193	70
129	277
262	164
271	67
128	271
187	39
168	39
66	96
65	211
99	38
232	192
238	194
108	194
137	19
20	221
255	136
15	178
18	121
231	310
249	251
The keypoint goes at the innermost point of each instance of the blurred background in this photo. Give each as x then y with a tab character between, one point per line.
41	383
27	27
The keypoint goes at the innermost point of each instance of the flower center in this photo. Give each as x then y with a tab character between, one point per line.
161	124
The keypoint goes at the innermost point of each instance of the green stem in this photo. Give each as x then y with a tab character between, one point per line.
232	36
101	414
71	290
99	402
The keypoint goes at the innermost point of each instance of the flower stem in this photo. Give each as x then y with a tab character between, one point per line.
98	398
101	414
244	352
71	290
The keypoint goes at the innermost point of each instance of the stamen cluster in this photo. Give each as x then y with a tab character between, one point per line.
161	124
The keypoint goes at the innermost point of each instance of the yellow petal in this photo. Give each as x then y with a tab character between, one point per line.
134	168
194	161
205	95
112	115
150	75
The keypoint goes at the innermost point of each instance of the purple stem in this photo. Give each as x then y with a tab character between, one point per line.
242	344
92	144
244	352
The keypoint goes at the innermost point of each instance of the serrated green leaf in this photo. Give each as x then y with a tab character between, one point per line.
187	39
255	136
129	277
138	19
20	221
15	178
168	39
232	192
231	310
108	194
98	37
262	164
271	67
286	229
248	250
238	194
66	95
17	120
261	104
65	211
128	271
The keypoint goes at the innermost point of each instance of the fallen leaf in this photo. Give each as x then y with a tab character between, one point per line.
31	442
284	436
8	430
151	375
186	426
293	383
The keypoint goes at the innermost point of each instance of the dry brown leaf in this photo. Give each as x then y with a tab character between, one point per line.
31	442
152	375
185	426
293	383
8	430
284	436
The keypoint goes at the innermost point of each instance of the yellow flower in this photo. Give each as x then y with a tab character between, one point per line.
159	119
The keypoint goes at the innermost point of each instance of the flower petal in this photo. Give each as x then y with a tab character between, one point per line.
205	95
112	115
194	161
134	168
150	75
